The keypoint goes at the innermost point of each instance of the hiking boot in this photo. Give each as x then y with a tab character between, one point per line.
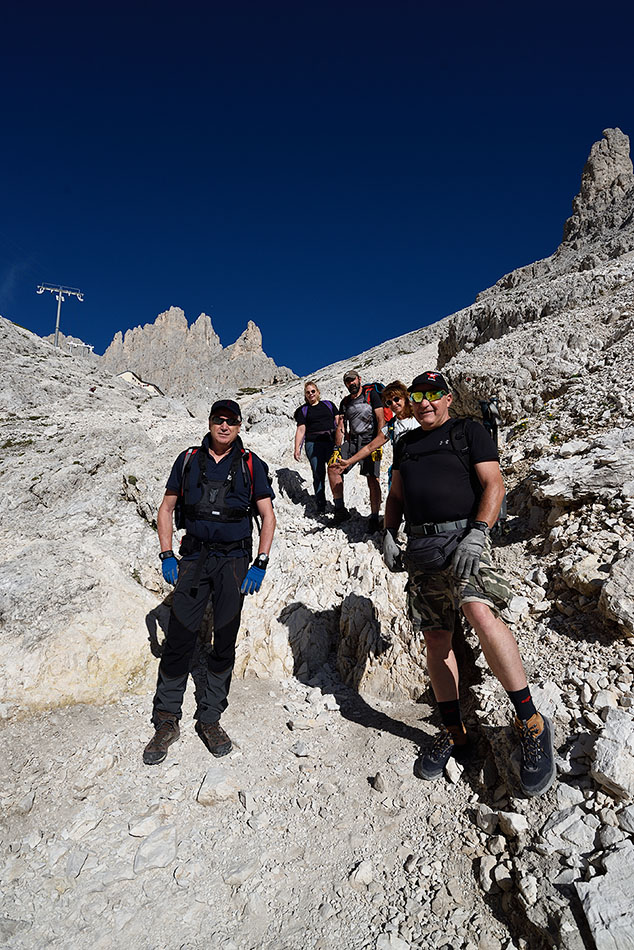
537	766
340	515
450	741
373	524
166	732
214	737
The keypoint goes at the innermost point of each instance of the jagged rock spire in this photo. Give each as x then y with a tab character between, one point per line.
184	360
606	179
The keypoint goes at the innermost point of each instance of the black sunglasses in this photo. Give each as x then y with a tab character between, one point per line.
218	420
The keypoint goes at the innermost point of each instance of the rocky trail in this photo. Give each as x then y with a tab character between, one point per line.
314	831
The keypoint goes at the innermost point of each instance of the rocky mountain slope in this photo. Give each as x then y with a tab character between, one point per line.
191	361
314	833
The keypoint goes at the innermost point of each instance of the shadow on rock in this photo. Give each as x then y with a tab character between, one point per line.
333	651
158	619
291	485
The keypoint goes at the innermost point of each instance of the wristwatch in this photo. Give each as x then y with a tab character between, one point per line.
163	556
481	526
261	561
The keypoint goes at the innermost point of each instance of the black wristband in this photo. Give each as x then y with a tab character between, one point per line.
262	561
481	526
164	555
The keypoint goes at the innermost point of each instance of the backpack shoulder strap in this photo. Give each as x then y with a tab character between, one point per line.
247	466
367	389
304	410
191	451
460	442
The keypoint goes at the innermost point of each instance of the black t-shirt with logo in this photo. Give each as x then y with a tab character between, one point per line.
319	420
436	484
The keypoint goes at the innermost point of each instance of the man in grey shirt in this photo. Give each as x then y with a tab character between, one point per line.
360	418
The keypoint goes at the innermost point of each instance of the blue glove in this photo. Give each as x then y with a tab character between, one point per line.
253	580
170	569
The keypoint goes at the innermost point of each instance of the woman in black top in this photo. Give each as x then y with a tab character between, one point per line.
316	423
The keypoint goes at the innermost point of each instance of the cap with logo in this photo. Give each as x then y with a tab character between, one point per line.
228	405
429	380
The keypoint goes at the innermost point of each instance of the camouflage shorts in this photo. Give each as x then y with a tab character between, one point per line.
433	599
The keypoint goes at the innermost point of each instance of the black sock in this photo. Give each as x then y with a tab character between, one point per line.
450	712
338	502
521	699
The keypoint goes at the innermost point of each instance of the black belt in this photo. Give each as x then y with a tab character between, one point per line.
207	548
436	527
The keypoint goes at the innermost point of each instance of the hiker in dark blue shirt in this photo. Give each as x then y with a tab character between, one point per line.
316	421
214	491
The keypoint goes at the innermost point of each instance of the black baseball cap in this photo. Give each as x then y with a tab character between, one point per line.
228	405
429	380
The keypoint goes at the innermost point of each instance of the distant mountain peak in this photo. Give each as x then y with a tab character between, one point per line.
605	180
190	360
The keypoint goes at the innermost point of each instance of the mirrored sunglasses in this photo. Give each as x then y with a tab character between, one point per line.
431	395
218	420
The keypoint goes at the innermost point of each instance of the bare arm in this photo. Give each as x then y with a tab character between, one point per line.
363	453
165	520
300	435
490	478
394	503
266	513
339	430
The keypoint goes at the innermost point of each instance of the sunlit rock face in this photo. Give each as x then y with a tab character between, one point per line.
87	456
191	361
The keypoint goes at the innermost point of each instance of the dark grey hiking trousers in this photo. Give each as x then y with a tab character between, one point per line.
220	579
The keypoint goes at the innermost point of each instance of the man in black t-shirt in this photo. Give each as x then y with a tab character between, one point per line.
446	481
213	489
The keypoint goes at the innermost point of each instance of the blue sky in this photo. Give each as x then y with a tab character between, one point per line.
338	172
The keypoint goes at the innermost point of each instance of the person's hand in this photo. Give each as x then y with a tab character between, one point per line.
340	467
253	580
466	560
170	569
297	455
391	550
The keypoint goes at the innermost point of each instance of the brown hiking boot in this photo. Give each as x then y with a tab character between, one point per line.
214	737
167	731
537	766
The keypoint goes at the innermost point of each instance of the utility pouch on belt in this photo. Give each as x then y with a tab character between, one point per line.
431	552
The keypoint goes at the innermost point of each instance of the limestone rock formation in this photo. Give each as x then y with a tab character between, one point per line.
593	264
190	361
330	685
606	199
